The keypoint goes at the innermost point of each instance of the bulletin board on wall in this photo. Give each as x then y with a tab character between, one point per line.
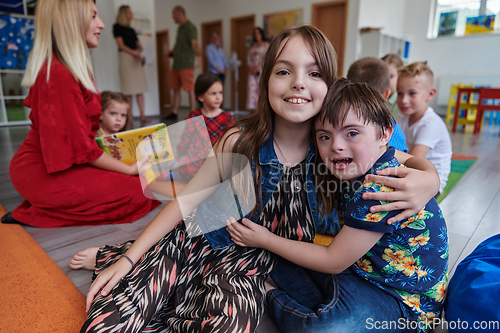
275	22
16	41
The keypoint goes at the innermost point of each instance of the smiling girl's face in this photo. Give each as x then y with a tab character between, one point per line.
296	87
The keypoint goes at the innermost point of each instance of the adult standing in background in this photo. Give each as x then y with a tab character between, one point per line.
216	58
254	61
131	62
185	51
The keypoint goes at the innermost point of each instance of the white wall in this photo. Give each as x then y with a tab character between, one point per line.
468	55
200	11
385	14
105	57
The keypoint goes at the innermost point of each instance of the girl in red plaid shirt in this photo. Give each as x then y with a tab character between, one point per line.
194	147
208	91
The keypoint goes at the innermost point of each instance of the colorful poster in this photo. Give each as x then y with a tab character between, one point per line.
275	22
480	24
447	23
141	24
16	41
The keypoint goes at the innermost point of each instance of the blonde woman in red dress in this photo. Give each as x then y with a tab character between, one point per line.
59	169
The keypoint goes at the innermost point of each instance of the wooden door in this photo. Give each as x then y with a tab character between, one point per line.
241	32
331	18
207	29
163	63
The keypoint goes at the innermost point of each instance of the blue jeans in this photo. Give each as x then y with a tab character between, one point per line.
310	301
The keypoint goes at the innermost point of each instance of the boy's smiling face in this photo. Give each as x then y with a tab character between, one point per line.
351	149
414	93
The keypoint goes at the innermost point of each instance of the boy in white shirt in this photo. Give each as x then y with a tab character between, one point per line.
426	133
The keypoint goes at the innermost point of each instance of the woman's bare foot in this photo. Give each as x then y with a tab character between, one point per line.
84	259
145	120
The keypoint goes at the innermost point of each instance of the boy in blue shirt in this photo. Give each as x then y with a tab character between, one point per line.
393	273
375	72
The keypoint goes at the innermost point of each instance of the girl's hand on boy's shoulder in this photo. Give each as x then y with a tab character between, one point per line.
248	233
410	193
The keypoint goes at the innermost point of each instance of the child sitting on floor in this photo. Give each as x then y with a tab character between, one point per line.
404	263
426	133
115	116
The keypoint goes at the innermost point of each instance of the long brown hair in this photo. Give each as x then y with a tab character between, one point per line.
257	128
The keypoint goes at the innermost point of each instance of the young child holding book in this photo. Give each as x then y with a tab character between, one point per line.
393	272
426	133
115	116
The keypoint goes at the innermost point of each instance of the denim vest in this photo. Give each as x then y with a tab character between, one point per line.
272	171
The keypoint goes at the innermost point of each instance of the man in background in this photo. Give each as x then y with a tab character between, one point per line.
216	58
185	53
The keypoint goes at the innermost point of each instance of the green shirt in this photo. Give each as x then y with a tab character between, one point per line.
394	105
184	56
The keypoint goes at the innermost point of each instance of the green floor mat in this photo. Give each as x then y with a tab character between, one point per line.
458	169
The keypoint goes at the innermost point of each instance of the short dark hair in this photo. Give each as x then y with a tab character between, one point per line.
180	9
343	97
261	33
372	71
203	83
362	99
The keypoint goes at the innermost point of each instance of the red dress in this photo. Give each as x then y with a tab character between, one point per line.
50	169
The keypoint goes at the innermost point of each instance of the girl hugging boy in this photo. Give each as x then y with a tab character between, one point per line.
404	264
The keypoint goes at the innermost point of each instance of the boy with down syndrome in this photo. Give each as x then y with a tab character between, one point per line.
394	273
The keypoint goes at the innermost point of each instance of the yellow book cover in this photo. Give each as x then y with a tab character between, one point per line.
157	145
123	145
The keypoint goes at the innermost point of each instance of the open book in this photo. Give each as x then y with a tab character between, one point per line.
132	145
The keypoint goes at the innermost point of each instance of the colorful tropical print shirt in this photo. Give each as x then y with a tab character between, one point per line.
410	261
